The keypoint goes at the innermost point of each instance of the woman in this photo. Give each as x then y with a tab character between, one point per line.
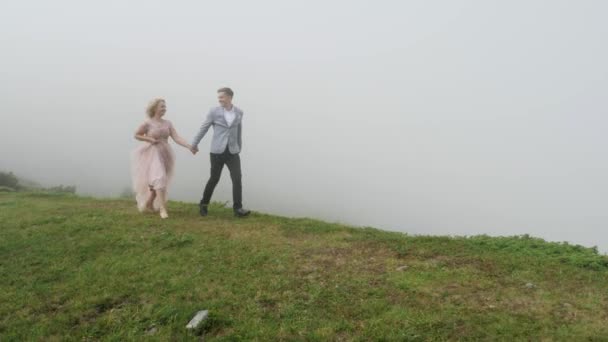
152	163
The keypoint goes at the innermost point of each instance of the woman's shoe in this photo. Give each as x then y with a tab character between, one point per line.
163	213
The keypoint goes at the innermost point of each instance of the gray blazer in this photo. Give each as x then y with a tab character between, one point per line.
222	133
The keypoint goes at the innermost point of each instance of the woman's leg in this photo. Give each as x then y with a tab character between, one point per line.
150	201
162	198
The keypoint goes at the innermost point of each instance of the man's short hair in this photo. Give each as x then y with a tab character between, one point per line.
226	91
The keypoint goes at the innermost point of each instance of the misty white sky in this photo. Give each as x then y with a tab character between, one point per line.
428	117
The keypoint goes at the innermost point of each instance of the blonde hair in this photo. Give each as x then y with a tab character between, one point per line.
151	110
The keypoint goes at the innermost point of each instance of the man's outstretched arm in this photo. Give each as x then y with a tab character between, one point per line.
202	131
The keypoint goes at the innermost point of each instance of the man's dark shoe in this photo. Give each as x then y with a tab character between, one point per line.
203	210
241	212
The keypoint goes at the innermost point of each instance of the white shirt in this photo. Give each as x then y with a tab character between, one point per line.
229	115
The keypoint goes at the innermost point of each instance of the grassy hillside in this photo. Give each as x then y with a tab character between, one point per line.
74	268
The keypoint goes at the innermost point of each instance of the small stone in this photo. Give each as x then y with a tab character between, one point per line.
567	305
402	268
530	286
151	331
197	319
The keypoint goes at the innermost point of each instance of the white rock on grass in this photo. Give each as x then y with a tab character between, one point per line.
197	319
153	330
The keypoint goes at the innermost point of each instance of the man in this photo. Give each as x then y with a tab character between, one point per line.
225	148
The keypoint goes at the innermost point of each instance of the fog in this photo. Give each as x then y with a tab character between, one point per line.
426	117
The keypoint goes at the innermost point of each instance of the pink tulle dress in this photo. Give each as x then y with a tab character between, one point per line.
152	164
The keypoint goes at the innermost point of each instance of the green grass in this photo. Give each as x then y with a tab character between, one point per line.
74	268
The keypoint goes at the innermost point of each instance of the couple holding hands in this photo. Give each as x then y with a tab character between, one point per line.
152	163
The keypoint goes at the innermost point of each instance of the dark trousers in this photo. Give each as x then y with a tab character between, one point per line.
233	161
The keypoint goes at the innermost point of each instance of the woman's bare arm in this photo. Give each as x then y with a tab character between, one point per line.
140	134
178	139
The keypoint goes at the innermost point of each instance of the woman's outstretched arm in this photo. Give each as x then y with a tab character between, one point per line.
178	139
